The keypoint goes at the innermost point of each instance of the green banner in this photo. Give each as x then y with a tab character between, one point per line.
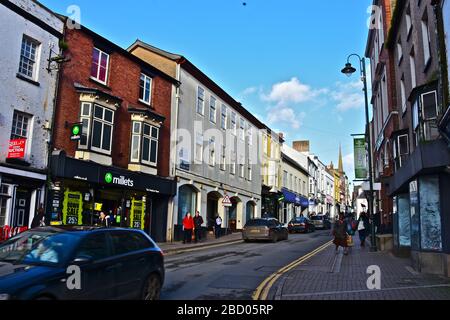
361	171
72	208
137	214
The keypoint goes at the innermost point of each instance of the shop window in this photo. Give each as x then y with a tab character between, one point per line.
4	198
144	143
404	220
430	213
98	123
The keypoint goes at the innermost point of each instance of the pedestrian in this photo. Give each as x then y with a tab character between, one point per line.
363	228
218	226
188	226
198	222
39	218
103	220
340	234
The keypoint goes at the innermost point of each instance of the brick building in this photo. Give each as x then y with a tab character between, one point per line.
120	162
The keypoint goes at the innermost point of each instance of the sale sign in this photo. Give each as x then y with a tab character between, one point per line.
17	149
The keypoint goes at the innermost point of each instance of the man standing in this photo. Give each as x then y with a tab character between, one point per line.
218	227
198	222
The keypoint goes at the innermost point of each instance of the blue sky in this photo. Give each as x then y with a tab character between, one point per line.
280	58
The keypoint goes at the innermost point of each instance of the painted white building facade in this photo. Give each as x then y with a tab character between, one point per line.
28	33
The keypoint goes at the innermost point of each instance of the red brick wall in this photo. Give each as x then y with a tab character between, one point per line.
123	82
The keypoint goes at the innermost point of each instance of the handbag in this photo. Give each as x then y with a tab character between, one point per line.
361	226
350	242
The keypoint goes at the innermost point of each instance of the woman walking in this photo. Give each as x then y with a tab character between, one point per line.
363	228
340	234
188	225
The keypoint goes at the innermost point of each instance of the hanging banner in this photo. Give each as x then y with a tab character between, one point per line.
137	214
72	208
361	171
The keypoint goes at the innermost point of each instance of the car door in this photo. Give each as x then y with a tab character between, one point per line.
132	263
98	277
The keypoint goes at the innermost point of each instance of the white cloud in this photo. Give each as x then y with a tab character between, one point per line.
249	91
348	96
292	91
349	164
277	116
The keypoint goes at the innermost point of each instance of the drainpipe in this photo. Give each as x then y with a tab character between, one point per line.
174	158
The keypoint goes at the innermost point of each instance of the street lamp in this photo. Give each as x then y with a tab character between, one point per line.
348	71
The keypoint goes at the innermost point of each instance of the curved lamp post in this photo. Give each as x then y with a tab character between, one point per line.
349	70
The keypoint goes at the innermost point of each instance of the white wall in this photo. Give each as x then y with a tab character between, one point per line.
17	94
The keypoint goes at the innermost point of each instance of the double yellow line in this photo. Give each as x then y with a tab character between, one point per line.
262	291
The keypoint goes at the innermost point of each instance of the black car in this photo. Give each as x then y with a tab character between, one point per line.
264	229
301	224
81	263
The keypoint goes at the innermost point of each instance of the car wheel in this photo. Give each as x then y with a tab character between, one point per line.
152	288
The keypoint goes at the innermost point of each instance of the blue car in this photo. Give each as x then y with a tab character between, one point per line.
81	263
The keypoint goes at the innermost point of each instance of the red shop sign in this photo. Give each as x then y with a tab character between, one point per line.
17	149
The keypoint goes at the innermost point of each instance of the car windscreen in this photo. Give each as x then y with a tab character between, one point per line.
38	248
317	218
257	223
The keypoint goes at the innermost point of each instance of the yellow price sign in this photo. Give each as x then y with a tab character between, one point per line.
98	206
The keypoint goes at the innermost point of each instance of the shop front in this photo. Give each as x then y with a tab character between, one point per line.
82	190
271	205
293	205
21	194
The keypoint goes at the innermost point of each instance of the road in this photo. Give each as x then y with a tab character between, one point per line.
233	272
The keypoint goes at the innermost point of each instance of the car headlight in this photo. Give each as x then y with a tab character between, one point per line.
4	296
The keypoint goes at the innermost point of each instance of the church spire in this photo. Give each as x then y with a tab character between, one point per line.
341	162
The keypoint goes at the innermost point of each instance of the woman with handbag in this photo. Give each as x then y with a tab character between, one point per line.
340	234
363	228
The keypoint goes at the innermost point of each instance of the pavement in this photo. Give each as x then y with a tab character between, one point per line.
178	247
330	276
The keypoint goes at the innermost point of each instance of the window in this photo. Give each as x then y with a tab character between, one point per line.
233	123
212	151
97	127
241	167
415	122
224	117
223	161
100	63
412	65
145	89
150	136
426	42
127	242
20	125
242	129
285	175
199	147
201	101
384	99
250	134
250	171
212	109
408	21
28	57
233	163
403	95
94	246
429	115
102	129
399	51
401	150
4	190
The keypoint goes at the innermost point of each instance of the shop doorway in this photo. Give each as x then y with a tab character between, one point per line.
234	213
212	208
187	202
21	214
250	211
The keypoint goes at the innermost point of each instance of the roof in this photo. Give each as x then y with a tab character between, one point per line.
204	79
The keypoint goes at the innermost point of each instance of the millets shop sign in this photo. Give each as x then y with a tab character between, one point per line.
118	180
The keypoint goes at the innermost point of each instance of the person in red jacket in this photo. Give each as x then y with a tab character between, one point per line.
188	226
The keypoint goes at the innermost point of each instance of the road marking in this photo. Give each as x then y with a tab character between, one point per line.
263	289
170	253
364	291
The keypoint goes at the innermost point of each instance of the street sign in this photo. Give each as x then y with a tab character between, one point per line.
227	202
